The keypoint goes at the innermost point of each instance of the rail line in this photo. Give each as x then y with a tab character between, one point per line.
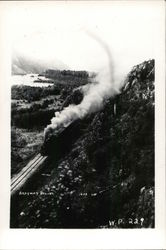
24	169
19	180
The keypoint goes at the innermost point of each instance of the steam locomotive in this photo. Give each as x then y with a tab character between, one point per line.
59	142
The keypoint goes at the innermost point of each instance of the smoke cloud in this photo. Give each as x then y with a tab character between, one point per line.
94	95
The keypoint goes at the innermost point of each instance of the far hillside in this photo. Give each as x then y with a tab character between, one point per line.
69	76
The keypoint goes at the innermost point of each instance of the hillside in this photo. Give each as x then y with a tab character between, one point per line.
106	178
25	65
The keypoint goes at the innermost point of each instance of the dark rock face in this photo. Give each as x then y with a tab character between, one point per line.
106	179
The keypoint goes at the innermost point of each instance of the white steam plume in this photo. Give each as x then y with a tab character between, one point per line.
94	96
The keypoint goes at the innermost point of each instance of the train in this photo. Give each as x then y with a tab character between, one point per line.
58	142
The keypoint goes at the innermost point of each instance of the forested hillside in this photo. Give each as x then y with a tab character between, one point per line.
108	173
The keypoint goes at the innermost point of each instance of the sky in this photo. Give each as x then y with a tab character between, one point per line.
68	32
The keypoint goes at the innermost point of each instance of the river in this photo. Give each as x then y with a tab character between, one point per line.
29	79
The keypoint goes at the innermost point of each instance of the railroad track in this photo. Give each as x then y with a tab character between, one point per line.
23	176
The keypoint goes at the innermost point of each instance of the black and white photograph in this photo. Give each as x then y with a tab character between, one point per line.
83	90
82	128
